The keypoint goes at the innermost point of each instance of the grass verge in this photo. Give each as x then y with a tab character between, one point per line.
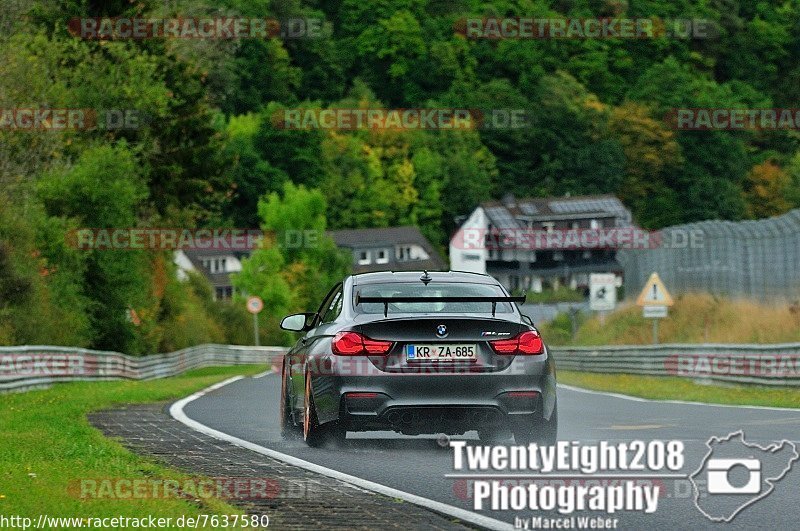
695	318
672	388
47	445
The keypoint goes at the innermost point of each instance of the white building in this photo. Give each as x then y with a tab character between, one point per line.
502	238
216	264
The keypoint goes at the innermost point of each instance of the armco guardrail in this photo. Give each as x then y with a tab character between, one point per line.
777	364
28	367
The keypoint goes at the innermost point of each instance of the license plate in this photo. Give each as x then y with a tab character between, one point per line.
446	352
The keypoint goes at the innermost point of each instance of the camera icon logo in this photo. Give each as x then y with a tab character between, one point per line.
736	473
719	476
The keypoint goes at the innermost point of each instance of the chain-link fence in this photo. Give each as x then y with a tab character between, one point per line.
751	259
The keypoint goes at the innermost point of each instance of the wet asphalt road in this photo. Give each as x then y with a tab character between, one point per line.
248	409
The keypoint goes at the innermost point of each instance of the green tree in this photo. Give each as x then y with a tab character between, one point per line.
297	262
652	155
250	175
767	190
102	190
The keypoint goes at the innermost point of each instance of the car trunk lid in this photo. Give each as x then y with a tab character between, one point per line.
416	335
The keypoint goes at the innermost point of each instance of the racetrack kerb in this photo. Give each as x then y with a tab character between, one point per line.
303	500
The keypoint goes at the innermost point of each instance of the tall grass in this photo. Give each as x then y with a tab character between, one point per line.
695	318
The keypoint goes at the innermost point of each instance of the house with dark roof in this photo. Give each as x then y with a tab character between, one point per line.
388	249
380	249
533	243
216	265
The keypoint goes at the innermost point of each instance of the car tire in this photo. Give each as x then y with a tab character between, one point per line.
542	432
289	429
314	434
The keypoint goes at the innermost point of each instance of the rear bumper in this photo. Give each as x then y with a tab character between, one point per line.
432	402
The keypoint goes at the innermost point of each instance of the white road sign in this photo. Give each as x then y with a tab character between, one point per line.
602	292
654	312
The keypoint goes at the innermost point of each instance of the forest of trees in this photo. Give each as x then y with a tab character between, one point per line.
208	152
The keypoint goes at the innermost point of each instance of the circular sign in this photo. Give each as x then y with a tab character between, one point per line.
254	304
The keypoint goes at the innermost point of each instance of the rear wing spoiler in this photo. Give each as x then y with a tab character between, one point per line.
386	300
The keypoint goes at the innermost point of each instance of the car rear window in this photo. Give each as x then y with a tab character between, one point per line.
434	289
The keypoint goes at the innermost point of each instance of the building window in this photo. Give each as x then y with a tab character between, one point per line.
576	225
382	257
595	224
549	226
364	258
215	265
224	293
404	253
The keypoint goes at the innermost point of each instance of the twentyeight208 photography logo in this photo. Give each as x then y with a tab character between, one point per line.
738	474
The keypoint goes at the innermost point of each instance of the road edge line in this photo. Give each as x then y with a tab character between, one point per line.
177	413
669	401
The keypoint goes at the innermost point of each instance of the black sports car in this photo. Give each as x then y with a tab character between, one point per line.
418	352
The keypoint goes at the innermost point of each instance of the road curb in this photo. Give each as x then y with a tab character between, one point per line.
176	411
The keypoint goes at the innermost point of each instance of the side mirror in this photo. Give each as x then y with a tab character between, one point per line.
298	322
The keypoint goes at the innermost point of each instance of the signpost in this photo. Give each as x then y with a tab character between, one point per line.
654	300
602	293
254	306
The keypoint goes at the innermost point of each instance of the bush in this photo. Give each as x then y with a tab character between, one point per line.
40	287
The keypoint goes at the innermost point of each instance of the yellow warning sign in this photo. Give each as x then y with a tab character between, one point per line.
654	293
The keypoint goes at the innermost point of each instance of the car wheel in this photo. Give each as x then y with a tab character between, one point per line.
541	431
315	434
289	429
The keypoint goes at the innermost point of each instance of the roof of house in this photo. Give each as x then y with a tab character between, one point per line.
505	213
389	237
377	236
195	256
349	238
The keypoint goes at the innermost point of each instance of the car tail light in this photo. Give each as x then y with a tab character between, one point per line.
528	342
354	344
361	395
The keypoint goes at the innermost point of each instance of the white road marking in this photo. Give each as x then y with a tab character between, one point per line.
684	402
176	410
262	374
